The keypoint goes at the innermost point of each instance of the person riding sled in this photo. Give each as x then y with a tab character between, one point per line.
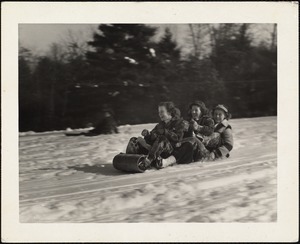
107	124
191	147
159	143
221	142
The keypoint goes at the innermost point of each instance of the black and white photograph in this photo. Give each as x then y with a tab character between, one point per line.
149	122
150	99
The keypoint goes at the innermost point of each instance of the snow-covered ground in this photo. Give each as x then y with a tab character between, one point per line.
71	179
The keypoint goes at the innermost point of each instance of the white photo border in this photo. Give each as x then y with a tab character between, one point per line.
285	14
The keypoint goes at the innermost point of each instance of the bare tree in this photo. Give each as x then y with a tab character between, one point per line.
199	35
274	37
75	44
57	52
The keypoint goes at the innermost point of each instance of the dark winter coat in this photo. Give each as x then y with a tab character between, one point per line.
225	144
206	130
107	126
172	130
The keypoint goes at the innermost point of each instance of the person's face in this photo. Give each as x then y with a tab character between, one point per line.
196	112
219	115
163	114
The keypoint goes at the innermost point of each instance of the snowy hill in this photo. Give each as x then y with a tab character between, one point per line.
71	179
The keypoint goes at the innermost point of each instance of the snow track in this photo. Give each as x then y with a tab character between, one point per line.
71	179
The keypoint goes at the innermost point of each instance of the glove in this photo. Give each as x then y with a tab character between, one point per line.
186	126
178	144
145	132
212	156
194	124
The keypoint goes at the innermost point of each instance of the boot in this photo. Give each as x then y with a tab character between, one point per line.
165	162
157	163
145	164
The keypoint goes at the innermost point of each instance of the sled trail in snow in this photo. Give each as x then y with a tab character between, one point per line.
71	179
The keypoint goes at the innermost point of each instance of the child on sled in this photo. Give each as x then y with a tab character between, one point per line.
221	142
159	143
217	145
192	147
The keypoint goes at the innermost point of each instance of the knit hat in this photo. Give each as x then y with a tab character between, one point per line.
223	108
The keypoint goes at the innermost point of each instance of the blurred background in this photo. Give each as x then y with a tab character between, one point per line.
69	72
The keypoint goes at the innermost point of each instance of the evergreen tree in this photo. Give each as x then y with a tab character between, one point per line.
121	53
50	78
167	48
168	56
26	92
249	72
232	45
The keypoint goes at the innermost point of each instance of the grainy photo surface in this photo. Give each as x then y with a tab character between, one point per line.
130	122
86	90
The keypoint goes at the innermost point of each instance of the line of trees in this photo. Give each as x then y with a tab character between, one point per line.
125	69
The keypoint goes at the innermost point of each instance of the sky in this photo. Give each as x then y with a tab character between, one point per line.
38	37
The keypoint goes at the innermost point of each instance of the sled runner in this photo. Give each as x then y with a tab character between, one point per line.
74	133
134	163
80	133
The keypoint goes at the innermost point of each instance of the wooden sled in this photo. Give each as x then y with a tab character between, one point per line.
132	163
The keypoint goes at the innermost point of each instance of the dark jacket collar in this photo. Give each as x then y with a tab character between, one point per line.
223	124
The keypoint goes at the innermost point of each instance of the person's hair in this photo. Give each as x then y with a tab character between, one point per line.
224	109
170	107
201	105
